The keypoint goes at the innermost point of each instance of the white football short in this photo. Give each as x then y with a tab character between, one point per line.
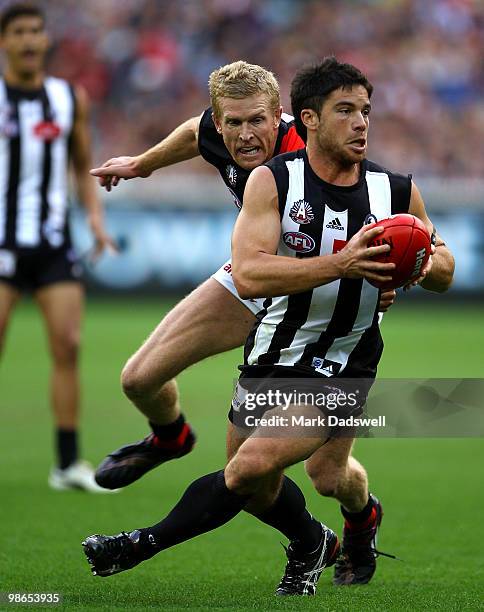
224	276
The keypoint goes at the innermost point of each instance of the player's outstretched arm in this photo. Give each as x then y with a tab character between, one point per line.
86	185
258	272
180	145
439	271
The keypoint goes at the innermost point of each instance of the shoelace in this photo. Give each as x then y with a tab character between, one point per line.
358	543
294	572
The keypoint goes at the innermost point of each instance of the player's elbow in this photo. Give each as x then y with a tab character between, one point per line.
246	285
245	288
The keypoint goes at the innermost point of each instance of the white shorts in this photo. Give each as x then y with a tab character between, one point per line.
224	276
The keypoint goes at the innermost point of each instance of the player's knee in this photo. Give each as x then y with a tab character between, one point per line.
139	381
65	348
245	471
133	381
324	481
324	487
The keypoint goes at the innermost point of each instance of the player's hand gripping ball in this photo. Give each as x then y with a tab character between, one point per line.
410	249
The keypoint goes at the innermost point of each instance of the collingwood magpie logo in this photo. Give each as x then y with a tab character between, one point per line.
301	212
369	219
335	224
231	173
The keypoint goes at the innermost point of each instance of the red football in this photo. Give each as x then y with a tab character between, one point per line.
410	248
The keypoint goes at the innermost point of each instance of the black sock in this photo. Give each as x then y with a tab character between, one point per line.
170	431
66	443
205	505
361	516
289	515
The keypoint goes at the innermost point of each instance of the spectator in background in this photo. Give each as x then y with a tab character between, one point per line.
147	59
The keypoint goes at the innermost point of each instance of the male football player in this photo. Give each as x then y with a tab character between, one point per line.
244	128
319	321
43	130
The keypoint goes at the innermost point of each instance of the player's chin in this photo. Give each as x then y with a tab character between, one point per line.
356	156
29	69
249	162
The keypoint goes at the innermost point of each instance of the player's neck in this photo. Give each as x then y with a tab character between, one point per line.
332	171
23	81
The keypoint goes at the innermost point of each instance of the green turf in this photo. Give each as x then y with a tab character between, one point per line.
432	490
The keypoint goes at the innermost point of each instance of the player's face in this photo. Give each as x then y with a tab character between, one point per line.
249	128
343	126
25	43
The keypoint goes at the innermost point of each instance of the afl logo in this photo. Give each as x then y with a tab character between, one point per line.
231	173
297	241
369	219
301	212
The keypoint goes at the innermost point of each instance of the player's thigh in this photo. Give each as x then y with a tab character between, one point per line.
62	306
330	460
9	296
210	320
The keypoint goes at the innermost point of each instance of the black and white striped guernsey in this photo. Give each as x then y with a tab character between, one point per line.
35	130
332	329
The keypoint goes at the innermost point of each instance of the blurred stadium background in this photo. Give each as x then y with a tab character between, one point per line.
146	65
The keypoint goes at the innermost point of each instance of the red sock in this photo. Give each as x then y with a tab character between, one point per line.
359	525
173	443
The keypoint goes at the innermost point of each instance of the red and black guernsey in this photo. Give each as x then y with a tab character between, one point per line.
213	150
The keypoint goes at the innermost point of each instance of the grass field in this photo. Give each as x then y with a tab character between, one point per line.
432	490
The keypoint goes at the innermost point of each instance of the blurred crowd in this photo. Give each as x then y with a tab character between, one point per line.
146	63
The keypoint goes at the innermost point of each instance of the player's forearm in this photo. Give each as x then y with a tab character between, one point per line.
441	274
272	275
180	145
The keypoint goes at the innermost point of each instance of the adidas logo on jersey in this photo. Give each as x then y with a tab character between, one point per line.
335	224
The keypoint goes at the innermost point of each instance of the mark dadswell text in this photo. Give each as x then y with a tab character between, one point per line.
319	421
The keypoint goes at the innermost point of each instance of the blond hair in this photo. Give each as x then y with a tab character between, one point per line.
240	80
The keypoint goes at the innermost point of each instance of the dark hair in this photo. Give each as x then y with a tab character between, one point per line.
312	85
19	10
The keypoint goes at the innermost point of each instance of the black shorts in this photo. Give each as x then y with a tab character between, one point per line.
300	386
32	269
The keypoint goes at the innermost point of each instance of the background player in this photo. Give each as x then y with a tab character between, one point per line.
330	317
43	126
